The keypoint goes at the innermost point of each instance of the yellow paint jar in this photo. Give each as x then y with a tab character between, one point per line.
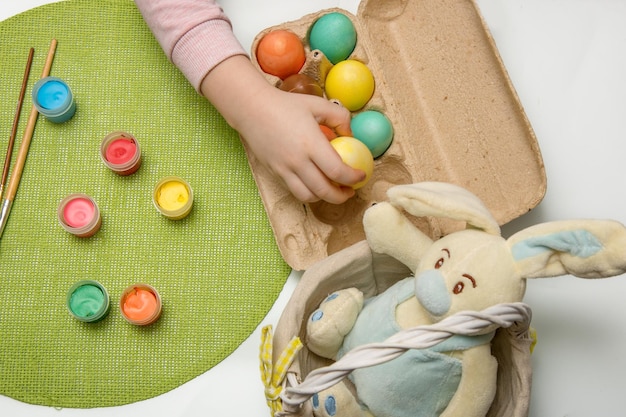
173	197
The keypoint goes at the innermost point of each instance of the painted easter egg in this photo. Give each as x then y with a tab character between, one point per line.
373	129
351	83
334	35
328	132
280	53
302	84
353	152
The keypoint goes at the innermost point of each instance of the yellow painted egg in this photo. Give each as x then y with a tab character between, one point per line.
350	82
355	153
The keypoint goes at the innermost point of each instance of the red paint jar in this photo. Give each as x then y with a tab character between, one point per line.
121	153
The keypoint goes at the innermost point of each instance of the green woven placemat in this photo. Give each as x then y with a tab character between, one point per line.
218	271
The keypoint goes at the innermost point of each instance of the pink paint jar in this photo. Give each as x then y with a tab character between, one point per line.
121	153
140	304
79	215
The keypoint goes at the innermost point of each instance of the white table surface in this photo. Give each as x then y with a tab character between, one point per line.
567	61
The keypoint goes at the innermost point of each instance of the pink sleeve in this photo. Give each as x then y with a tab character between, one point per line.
196	35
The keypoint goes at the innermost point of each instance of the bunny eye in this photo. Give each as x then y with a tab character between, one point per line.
441	260
439	263
460	286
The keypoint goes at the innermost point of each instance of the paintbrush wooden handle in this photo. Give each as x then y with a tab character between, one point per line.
28	133
16	119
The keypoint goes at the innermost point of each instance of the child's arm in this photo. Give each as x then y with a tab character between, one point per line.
280	128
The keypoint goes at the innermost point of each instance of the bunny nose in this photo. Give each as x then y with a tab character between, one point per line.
431	291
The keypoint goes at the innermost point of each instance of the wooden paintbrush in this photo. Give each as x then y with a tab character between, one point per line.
16	175
16	120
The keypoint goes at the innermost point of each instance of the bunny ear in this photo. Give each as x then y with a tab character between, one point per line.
584	248
444	200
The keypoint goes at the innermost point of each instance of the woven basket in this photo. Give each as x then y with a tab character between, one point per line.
372	273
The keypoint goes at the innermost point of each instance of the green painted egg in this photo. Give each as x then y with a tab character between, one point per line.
334	35
373	129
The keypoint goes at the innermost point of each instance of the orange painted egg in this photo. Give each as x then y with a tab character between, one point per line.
280	53
328	132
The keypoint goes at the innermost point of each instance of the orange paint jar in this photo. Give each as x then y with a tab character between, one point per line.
140	304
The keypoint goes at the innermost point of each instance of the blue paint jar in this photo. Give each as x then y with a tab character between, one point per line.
53	99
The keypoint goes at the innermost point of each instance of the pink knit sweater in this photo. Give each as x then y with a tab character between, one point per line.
196	35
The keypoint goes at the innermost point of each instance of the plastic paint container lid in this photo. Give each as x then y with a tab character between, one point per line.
79	215
53	98
88	301
173	197
140	304
121	152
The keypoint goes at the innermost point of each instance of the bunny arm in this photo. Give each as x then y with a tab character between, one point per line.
478	383
332	321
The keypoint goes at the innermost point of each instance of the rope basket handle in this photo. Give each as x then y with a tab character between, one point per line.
466	323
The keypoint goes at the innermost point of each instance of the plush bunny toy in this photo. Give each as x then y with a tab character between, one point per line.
471	269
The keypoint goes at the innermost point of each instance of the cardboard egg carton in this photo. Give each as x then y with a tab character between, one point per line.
456	118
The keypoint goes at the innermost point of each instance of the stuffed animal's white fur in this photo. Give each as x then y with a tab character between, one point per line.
467	270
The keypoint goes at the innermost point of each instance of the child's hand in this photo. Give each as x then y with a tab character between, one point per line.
282	130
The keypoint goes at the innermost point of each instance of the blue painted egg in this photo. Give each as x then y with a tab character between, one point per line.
334	35
373	129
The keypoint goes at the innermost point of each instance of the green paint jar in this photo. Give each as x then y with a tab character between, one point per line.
88	301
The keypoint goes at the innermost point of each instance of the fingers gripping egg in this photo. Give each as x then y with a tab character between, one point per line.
354	153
